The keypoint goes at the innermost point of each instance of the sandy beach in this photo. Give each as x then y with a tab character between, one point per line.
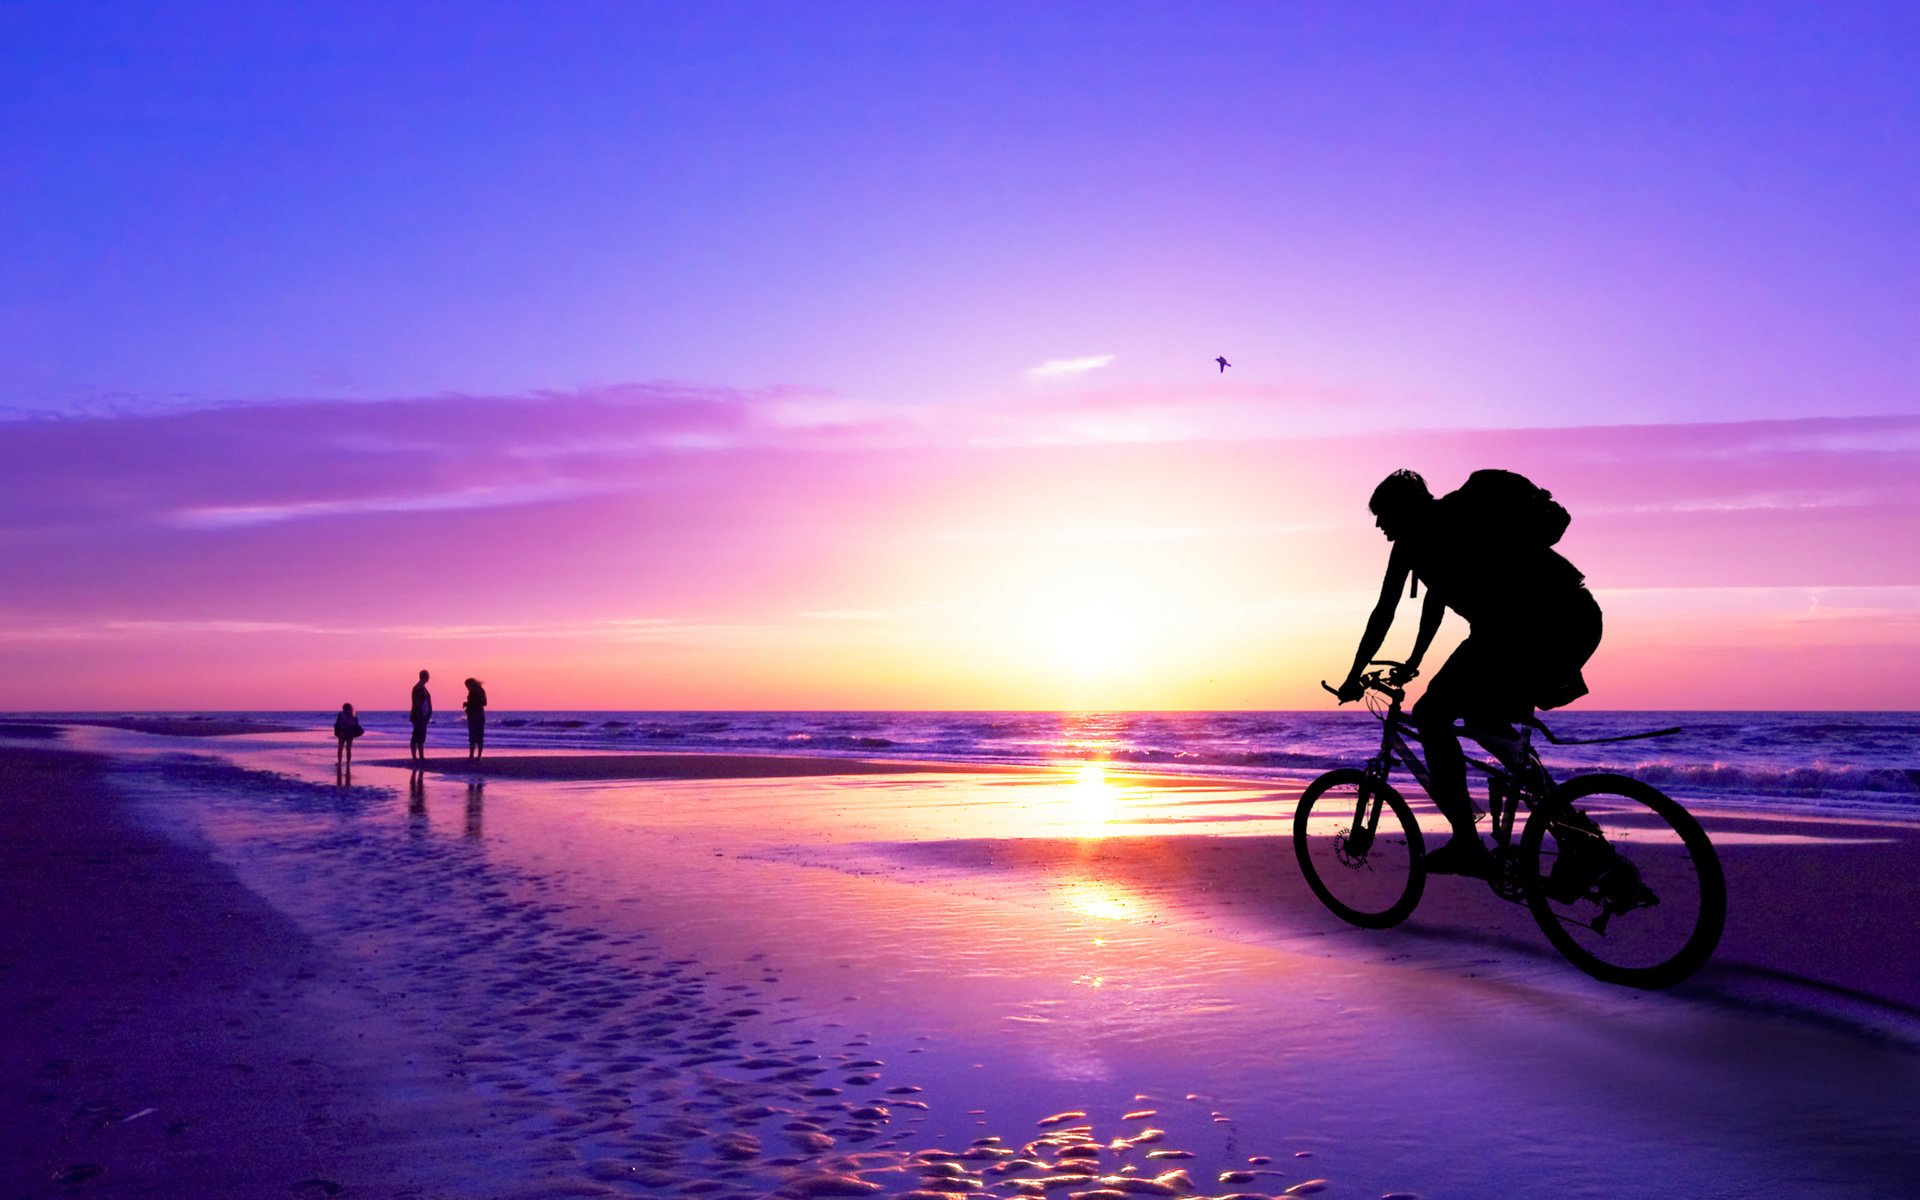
230	974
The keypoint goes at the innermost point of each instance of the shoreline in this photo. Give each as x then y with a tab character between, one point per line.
1864	791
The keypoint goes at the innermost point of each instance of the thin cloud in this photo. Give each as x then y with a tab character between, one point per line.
16	630
1055	368
621	629
238	516
1088	535
325	463
878	616
241	466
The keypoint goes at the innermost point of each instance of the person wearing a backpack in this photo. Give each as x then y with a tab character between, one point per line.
1486	552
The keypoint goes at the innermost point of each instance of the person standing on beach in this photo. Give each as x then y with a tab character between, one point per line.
1483	551
420	712
346	727
476	706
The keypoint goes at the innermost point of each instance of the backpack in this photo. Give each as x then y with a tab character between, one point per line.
1509	509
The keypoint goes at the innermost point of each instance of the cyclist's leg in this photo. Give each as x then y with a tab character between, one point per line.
1451	693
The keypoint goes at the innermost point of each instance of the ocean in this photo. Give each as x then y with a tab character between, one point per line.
1794	760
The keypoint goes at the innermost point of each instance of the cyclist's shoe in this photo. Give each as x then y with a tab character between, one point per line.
1463	855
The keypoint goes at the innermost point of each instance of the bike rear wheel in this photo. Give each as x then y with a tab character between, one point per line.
1359	849
1623	881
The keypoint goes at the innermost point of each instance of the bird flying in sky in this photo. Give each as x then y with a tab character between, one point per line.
1224	364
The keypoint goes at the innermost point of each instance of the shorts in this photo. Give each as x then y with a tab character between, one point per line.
1506	669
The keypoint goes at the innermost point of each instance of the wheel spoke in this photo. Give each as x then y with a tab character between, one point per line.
1362	860
1623	881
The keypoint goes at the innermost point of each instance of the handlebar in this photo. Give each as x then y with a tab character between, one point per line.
1386	682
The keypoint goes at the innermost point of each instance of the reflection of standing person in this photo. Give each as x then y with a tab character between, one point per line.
475	802
346	727
420	712
476	706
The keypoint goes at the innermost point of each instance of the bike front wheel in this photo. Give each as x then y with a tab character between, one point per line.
1623	881
1359	848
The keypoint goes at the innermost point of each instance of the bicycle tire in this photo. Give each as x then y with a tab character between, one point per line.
1656	945
1359	894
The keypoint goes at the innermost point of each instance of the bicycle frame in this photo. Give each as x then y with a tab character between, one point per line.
1515	777
1561	860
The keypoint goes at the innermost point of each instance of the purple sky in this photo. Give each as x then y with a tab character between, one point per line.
718	335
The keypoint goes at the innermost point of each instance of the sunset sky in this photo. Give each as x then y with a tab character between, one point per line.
849	355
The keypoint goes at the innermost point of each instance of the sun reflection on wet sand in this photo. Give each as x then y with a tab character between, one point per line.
1099	898
1093	801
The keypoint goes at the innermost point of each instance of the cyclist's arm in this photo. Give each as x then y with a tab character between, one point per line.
1430	614
1381	619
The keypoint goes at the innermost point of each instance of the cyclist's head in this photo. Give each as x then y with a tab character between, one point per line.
1398	500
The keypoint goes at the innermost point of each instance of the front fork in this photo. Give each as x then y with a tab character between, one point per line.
1367	806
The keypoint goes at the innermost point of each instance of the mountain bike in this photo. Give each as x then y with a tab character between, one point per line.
1621	878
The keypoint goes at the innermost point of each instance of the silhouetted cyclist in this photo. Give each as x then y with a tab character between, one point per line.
1485	552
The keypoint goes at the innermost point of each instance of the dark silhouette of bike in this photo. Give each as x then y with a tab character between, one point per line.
1619	876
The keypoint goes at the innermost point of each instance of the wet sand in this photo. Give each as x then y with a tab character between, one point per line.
903	983
172	1034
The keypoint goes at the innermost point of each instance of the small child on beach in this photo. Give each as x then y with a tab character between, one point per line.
346	727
